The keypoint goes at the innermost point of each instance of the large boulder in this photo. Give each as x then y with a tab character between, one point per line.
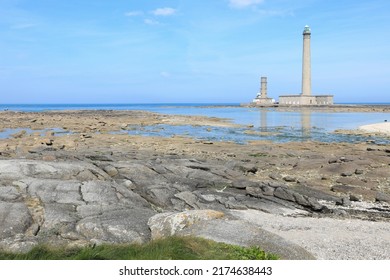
170	223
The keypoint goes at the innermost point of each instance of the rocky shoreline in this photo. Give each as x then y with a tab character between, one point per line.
72	178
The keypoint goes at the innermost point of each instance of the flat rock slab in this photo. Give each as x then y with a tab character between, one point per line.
17	169
49	202
239	232
119	226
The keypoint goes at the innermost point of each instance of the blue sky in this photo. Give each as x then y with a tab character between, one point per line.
132	51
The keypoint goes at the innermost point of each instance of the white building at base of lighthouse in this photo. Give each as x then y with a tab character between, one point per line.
296	100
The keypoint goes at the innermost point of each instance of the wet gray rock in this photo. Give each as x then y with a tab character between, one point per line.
343	189
340	168
111	170
58	218
231	202
345	159
382	197
285	194
353	197
95	157
347	174
117	226
344	202
10	194
301	200
255	192
289	179
15	219
55	191
243	184
267	190
359	171
189	198
275	184
315	194
41	149
245	168
46	170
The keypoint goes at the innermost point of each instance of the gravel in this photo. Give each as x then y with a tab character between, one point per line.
327	238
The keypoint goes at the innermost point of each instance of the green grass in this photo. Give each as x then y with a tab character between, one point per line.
172	248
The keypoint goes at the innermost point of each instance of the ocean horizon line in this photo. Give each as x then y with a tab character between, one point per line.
168	103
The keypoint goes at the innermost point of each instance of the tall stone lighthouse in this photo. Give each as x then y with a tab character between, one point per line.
306	98
306	63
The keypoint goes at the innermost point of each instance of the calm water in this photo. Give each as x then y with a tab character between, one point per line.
268	124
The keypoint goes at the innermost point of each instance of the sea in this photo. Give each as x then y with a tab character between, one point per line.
258	123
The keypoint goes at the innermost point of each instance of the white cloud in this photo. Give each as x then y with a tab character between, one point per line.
151	21
164	12
134	13
244	3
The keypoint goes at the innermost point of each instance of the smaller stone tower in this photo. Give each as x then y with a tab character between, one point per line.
262	97
263	88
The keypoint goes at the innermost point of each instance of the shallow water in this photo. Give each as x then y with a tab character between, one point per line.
7	133
243	135
268	123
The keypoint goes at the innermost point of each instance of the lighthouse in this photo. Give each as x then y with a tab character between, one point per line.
306	98
306	63
262	98
263	87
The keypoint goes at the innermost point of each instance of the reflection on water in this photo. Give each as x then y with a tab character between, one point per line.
243	135
304	118
306	123
269	125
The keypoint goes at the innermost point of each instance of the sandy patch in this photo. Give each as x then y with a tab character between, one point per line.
377	128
